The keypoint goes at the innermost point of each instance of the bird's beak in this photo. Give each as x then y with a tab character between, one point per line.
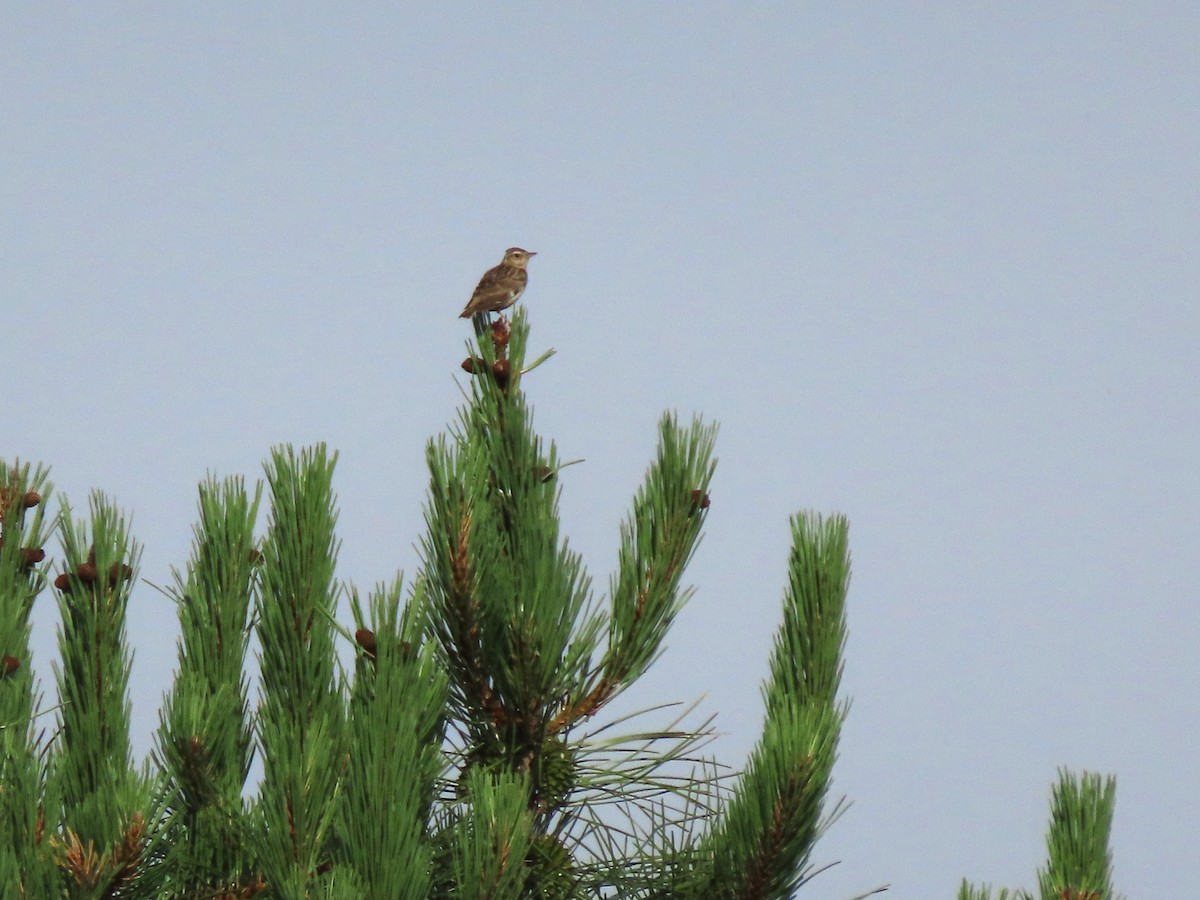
531	253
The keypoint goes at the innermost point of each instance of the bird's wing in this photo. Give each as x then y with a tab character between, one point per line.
495	289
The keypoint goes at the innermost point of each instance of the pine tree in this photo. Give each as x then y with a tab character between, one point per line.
453	741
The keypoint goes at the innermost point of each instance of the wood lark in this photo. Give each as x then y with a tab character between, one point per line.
502	286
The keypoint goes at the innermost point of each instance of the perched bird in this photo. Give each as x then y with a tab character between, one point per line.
502	286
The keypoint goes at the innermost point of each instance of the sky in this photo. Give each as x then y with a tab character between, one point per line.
932	266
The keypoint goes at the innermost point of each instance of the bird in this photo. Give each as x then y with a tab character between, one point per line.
501	286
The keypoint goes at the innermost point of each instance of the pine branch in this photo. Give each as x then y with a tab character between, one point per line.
491	840
507	596
105	806
657	543
204	739
806	664
1080	862
396	730
300	724
761	845
24	532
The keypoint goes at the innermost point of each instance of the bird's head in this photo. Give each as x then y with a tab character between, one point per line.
515	256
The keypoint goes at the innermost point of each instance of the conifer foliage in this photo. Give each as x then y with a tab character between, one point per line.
456	739
1079	863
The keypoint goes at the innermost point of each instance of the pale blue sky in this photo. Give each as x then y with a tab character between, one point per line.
930	265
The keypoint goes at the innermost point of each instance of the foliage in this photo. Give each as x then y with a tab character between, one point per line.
448	743
1079	866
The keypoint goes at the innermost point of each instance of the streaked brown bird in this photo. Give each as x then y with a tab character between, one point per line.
502	286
